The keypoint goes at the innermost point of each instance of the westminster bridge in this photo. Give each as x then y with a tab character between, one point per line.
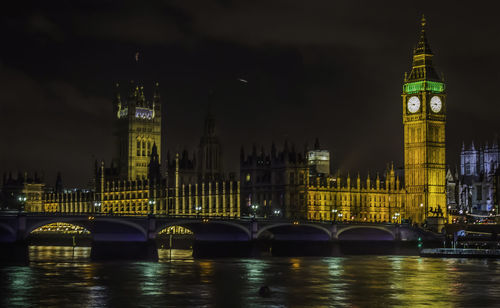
134	237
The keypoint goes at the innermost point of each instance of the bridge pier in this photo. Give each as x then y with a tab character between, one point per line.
14	252
254	228
333	231
225	249
397	233
15	248
124	250
302	248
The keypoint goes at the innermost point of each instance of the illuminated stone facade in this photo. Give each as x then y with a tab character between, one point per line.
137	129
424	119
77	201
148	196
169	196
331	198
22	192
286	183
274	183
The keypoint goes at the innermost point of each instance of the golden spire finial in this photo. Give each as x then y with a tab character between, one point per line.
423	22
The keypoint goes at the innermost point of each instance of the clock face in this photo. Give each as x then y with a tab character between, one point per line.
436	104
413	104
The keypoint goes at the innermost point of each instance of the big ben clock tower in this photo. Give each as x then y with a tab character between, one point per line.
424	120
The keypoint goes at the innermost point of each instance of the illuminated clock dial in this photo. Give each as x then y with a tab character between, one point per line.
436	104
413	104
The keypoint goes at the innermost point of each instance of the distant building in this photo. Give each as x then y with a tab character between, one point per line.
210	161
299	185
205	163
318	160
23	192
274	183
473	189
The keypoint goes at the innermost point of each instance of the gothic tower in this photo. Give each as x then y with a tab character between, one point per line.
424	120
137	128
209	151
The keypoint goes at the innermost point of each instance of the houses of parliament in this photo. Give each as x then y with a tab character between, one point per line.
285	182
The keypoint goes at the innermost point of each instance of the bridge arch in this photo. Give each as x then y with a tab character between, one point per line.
375	236
38	224
175	229
7	233
327	234
61	226
117	221
96	226
199	227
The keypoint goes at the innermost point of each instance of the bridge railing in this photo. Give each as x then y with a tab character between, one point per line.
198	217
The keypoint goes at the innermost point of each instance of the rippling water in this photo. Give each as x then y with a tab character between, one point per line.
61	276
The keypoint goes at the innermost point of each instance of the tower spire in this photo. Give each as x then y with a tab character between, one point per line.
422	45
422	68
423	22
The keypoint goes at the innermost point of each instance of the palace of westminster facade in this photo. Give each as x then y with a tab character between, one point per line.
284	183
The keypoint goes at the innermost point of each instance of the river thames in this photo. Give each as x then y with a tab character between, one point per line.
63	277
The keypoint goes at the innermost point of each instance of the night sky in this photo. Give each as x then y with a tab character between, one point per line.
326	69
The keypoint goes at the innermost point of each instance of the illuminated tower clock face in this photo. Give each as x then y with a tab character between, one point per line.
436	104
413	104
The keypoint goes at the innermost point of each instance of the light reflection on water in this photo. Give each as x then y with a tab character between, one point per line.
63	276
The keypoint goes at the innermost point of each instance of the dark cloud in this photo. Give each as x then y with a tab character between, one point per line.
50	126
135	27
326	69
40	24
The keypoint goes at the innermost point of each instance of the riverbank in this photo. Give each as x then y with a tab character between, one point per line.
460	253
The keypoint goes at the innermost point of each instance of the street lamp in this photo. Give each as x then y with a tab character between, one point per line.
151	206
277	212
198	210
334	214
22	200
254	207
423	212
396	217
97	205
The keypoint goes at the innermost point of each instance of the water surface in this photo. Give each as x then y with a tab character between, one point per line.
63	276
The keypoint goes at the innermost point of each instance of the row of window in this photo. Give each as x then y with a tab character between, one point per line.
121	207
319	197
144	147
318	203
125	196
371	217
